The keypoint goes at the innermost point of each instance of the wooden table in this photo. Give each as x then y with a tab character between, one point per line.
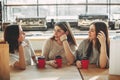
49	73
94	73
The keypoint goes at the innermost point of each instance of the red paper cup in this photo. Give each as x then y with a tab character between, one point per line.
41	62
58	61
85	64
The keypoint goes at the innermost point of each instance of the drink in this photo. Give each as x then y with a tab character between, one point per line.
58	61
85	63
41	62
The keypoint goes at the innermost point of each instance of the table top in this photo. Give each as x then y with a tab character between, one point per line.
49	73
94	73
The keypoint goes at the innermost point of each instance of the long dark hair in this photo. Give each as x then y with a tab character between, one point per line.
99	26
65	26
11	35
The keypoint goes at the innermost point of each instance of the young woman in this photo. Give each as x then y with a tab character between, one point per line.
61	43
96	47
20	48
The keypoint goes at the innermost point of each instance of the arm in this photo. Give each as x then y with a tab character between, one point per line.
79	54
68	53
21	64
32	51
103	53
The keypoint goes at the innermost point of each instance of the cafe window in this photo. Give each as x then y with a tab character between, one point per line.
38	8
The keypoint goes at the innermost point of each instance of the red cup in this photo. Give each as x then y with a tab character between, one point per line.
58	61
85	63
41	62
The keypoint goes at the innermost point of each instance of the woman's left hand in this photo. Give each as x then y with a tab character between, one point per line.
63	37
101	37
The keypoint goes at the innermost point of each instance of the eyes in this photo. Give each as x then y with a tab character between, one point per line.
22	33
91	30
58	30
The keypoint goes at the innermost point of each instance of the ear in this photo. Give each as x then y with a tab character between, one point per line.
66	32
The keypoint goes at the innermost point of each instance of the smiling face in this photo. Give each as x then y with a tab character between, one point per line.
92	32
58	32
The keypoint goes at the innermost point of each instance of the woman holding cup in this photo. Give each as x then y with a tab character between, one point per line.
96	47
62	43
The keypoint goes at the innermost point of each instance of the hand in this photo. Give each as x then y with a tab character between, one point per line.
101	37
78	64
63	37
53	63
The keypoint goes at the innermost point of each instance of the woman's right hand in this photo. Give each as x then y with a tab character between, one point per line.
78	64
52	63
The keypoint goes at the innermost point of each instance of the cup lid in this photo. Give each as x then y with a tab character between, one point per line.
58	56
41	57
84	58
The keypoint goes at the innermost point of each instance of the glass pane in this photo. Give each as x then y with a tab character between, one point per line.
61	10
70	10
97	9
60	1
21	1
47	1
22	11
115	1
47	11
115	12
97	1
71	1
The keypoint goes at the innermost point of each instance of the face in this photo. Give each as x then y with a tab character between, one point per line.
58	32
92	32
21	35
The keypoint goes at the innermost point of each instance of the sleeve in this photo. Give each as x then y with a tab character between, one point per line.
73	48
30	46
13	58
46	49
79	52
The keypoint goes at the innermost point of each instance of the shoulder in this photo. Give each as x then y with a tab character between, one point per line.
27	40
86	41
49	40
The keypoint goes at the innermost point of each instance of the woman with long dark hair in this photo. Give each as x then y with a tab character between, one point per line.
96	47
20	49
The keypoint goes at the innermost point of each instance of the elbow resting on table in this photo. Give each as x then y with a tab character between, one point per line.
70	62
22	68
102	66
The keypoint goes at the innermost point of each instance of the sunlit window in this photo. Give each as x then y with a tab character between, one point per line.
43	8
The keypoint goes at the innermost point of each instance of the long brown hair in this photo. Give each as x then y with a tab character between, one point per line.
65	26
99	26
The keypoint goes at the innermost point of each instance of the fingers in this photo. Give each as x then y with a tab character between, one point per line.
101	36
63	37
53	63
78	64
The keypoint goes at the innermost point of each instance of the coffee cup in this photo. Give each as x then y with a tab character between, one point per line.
85	63
41	62
58	60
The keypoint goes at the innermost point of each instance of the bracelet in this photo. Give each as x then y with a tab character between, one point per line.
64	40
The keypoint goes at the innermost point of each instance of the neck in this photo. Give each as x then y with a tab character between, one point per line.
59	42
94	41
